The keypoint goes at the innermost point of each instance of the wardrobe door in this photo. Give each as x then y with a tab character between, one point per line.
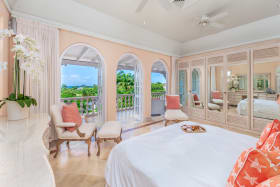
215	108
265	86
197	89
184	86
238	87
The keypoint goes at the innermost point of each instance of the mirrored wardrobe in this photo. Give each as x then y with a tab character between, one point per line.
197	88
236	89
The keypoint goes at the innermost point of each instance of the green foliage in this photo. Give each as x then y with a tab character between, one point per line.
157	87
78	91
21	99
125	83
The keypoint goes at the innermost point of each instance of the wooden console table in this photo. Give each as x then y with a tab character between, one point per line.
23	152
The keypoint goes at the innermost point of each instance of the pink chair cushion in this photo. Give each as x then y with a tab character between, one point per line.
216	95
173	102
195	98
70	113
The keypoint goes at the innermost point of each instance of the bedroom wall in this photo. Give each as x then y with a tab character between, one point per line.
4	54
112	52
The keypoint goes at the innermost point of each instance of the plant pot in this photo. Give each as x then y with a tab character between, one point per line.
16	112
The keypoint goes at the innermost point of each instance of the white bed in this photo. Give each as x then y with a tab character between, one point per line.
168	157
266	109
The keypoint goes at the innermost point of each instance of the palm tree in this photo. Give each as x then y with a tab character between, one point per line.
125	83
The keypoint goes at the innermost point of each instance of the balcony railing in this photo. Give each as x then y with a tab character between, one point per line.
158	95
125	102
86	104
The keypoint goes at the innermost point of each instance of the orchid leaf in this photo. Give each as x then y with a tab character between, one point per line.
12	97
21	103
2	103
27	102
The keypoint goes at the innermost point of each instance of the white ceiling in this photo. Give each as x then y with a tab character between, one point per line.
172	32
182	24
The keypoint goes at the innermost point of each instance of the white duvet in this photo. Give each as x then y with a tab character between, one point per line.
262	109
168	157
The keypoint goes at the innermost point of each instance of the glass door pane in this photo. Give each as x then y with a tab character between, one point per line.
238	102
183	87
197	89
266	85
215	91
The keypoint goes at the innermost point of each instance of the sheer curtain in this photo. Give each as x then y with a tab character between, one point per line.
46	90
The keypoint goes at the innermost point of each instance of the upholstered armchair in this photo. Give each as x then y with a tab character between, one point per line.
83	133
196	102
174	115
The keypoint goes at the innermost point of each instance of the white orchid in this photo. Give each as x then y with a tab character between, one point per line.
27	58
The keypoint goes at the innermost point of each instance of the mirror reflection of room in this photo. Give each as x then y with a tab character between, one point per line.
237	86
196	92
183	93
266	85
215	88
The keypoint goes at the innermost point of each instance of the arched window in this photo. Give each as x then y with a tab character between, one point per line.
82	80
159	87
129	89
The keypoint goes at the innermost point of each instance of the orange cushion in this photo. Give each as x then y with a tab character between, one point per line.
272	143
173	102
253	167
217	95
195	98
70	113
272	182
268	130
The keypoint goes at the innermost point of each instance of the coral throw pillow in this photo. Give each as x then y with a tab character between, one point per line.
272	143
268	130
253	167
173	102
195	98
70	113
217	95
272	182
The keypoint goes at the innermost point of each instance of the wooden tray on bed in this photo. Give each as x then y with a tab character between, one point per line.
193	129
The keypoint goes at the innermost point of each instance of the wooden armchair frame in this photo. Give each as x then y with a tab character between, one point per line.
59	141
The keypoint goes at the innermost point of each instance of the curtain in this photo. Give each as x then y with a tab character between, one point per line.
46	90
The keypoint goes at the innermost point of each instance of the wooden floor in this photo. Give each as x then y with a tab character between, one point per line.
73	168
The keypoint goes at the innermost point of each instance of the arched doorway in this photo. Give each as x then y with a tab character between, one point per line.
129	89
159	87
82	80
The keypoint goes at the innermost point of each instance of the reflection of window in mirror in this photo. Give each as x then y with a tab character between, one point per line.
242	82
183	87
195	82
261	81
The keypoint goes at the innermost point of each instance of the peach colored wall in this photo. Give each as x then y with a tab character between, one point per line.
4	53
112	52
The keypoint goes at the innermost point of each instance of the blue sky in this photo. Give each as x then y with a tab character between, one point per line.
73	75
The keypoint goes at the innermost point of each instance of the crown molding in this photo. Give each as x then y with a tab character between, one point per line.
90	33
230	46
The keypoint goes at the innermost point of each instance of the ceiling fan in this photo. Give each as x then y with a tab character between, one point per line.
166	4
212	21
